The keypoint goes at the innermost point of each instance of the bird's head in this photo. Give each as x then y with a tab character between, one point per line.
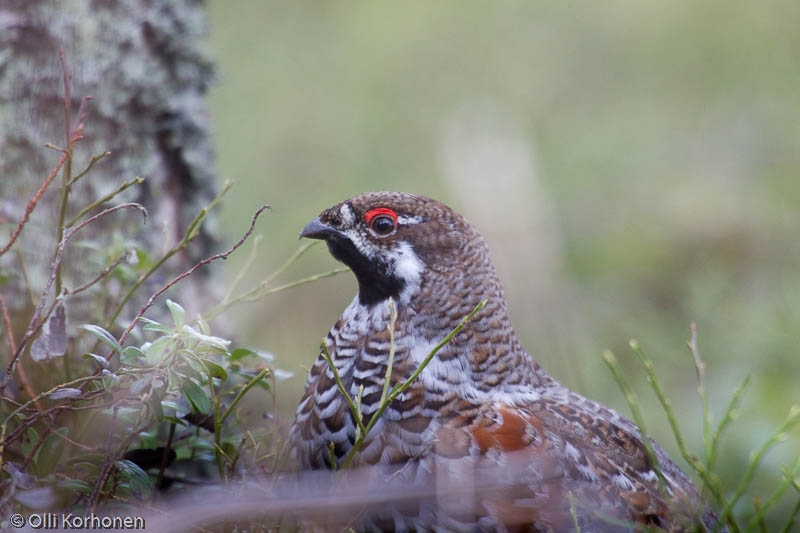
394	242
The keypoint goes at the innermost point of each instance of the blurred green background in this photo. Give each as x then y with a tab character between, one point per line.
633	165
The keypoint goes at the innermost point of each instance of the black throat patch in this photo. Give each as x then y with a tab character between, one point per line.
375	284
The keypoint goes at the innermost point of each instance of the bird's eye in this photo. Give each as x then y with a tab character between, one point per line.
381	220
382	225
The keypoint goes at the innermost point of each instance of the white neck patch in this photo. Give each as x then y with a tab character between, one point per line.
408	267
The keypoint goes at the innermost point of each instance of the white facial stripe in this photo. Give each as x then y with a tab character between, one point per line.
399	260
409	221
407	265
363	245
348	217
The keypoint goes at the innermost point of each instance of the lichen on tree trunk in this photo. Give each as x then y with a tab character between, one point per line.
145	67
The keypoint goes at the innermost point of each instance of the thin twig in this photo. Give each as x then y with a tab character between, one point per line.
286	264
260	290
611	360
24	272
178	278
100	276
92	161
792	520
392	349
251	258
105	469
62	56
666	404
700	369
727	418
35	323
45	394
164	460
191	232
219	418
250	297
401	387
789	474
574	513
792	420
23	377
104	199
7	324
247	386
357	416
74	133
32	453
32	203
3	430
121	444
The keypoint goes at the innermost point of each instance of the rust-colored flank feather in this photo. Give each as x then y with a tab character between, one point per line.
505	446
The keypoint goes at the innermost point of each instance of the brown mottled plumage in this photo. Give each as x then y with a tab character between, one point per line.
482	414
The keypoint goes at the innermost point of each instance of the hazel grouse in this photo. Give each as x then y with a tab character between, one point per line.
483	413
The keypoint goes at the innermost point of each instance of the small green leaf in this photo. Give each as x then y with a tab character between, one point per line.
138	480
263	383
101	361
157	350
214	370
124	273
203	326
196	397
76	485
104	336
178	313
93	459
173	380
65	392
176	421
50	451
230	451
31	438
152	325
132	355
86	466
240	353
217	343
173	409
110	380
143	260
194	367
147	441
155	407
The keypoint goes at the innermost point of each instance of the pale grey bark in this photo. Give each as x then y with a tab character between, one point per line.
144	64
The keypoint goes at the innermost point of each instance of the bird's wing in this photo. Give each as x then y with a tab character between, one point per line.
553	465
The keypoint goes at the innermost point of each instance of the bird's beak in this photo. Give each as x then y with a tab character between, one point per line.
316	229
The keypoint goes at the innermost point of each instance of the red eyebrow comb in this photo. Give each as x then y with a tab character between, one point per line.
372	213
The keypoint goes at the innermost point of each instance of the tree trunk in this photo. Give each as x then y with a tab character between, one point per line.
144	65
